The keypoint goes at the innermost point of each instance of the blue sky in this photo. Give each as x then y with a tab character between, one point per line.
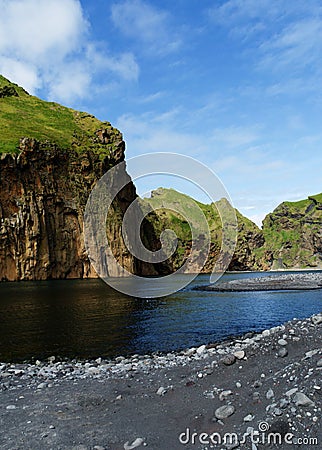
236	84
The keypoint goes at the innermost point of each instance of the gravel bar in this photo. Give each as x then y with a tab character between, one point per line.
283	282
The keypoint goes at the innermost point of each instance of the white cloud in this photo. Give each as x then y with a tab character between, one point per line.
152	97
141	21
73	82
235	136
289	33
123	65
278	39
245	166
230	147
46	45
258	14
34	30
233	11
297	46
21	73
151	132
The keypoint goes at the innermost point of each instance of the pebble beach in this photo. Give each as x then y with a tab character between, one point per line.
247	389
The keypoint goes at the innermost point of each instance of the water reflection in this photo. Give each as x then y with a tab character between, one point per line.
86	318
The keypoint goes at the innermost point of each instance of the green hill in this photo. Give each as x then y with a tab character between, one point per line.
249	238
23	115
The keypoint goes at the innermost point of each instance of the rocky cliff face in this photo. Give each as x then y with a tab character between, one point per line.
44	187
250	240
43	192
293	234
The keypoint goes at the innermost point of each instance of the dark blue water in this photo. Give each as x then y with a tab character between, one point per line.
86	318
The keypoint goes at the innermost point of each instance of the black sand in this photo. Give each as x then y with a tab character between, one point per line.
150	401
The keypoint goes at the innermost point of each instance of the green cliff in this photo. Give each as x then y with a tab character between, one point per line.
250	237
50	159
293	234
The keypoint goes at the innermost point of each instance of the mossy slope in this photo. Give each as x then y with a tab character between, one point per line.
23	115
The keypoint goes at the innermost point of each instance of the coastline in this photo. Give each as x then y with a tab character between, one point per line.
148	400
289	281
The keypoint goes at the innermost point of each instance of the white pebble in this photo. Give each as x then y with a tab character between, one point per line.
136	443
161	391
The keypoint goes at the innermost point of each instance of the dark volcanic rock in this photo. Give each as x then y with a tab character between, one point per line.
8	91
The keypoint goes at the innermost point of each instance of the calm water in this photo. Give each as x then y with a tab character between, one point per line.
86	318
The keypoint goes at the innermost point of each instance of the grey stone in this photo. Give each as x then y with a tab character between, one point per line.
316	320
248	418
301	399
284	403
5	374
224	394
161	391
228	360
190	351
282	352
224	411
239	354
269	394
135	444
201	350
282	342
291	392
311	353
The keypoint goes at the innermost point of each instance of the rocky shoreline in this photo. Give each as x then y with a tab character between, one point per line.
158	401
302	281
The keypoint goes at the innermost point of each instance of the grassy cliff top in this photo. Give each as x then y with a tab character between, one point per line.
299	206
317	198
24	115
